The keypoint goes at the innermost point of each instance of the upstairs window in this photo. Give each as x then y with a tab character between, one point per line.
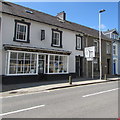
115	36
96	46
114	50
108	48
21	31
42	34
56	38
78	42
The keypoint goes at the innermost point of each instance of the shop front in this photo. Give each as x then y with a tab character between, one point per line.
38	63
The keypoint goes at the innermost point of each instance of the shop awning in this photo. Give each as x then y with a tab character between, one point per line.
35	49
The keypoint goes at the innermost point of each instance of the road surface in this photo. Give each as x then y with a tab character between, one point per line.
88	101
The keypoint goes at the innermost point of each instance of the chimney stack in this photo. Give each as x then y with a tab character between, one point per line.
62	15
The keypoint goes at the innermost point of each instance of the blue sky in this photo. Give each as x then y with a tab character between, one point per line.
84	13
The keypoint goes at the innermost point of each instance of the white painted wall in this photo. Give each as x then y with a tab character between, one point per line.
68	38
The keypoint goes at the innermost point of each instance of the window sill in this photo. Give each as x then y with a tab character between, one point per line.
21	74
56	46
57	73
79	49
28	41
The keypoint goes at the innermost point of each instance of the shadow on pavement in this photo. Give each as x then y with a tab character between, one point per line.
9	87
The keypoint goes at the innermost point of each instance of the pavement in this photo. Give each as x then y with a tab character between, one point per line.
44	86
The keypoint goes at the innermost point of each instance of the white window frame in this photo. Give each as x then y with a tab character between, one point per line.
108	50
115	50
96	47
25	33
55	39
8	67
58	72
37	54
79	40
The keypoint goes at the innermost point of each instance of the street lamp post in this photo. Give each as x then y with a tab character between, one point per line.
100	43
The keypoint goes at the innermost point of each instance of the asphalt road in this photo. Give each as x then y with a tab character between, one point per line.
90	101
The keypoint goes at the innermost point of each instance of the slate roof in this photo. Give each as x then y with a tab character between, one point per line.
20	11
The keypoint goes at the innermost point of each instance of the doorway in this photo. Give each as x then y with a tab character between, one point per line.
108	66
79	66
41	63
114	67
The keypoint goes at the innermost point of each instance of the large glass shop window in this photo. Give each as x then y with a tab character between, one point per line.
22	63
57	64
26	63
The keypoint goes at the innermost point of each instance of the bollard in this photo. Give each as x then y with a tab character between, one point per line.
70	80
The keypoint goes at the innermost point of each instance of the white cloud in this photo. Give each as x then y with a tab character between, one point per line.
102	27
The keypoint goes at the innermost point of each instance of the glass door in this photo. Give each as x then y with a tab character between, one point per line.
41	65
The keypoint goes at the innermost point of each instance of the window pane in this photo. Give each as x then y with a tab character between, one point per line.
61	67
56	58
27	63
27	56
79	42
21	36
41	57
51	67
61	58
58	64
65	64
21	28
13	70
20	55
13	55
20	66
21	32
13	62
24	63
51	57
56	38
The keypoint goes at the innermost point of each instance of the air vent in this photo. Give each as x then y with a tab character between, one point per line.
28	11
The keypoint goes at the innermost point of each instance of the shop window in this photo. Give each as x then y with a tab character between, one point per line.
26	63
58	64
22	63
